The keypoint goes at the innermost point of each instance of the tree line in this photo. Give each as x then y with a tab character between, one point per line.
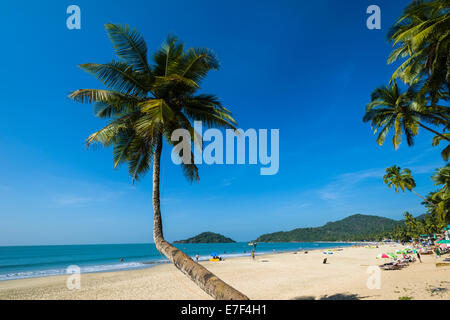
421	41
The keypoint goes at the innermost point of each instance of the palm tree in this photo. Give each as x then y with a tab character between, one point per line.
400	179
399	233
413	226
146	103
432	224
445	153
441	198
421	35
390	108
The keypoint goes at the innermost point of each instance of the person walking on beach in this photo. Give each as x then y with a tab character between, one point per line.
253	254
196	258
438	252
418	256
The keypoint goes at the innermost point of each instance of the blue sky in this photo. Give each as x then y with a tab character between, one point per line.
306	68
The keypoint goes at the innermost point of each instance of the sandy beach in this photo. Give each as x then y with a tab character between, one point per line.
272	276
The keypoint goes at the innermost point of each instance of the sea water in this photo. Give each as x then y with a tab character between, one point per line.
18	262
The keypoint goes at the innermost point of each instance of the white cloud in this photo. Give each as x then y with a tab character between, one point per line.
343	183
71	200
77	200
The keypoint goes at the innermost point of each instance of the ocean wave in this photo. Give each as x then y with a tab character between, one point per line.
83	269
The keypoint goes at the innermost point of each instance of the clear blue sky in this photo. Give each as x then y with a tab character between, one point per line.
306	68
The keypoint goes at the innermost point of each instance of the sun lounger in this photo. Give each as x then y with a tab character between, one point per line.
390	267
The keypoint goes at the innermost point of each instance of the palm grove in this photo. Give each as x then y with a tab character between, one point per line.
421	43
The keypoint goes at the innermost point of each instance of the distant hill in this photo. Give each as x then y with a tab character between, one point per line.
207	237
353	228
421	217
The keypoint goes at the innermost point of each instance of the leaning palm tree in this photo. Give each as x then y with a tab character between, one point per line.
400	179
145	103
404	112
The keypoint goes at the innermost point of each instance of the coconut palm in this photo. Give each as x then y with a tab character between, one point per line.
441	198
421	35
391	109
145	103
400	179
414	227
446	151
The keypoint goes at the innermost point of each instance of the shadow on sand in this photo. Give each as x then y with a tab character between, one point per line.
337	296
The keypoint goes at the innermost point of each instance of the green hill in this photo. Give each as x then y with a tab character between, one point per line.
207	237
353	228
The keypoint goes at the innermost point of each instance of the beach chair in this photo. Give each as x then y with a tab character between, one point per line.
390	267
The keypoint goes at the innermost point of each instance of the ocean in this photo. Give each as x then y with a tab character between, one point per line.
18	262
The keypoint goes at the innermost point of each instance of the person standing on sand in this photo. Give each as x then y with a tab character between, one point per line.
418	256
253	254
196	258
438	252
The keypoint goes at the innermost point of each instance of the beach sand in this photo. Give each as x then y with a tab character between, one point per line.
272	276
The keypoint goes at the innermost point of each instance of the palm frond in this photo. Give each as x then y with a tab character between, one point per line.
130	46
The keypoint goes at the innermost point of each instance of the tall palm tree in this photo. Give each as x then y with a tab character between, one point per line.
390	108
400	179
422	37
146	103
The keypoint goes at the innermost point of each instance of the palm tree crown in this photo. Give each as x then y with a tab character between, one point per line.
390	108
146	102
441	198
422	37
399	178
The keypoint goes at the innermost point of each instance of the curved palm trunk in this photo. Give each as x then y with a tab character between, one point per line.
422	197
419	195
435	132
206	280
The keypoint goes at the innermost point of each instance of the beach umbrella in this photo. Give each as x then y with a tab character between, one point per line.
214	254
382	256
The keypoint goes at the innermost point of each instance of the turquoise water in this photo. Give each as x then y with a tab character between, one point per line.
37	261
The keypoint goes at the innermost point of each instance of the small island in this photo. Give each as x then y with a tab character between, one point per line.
207	237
